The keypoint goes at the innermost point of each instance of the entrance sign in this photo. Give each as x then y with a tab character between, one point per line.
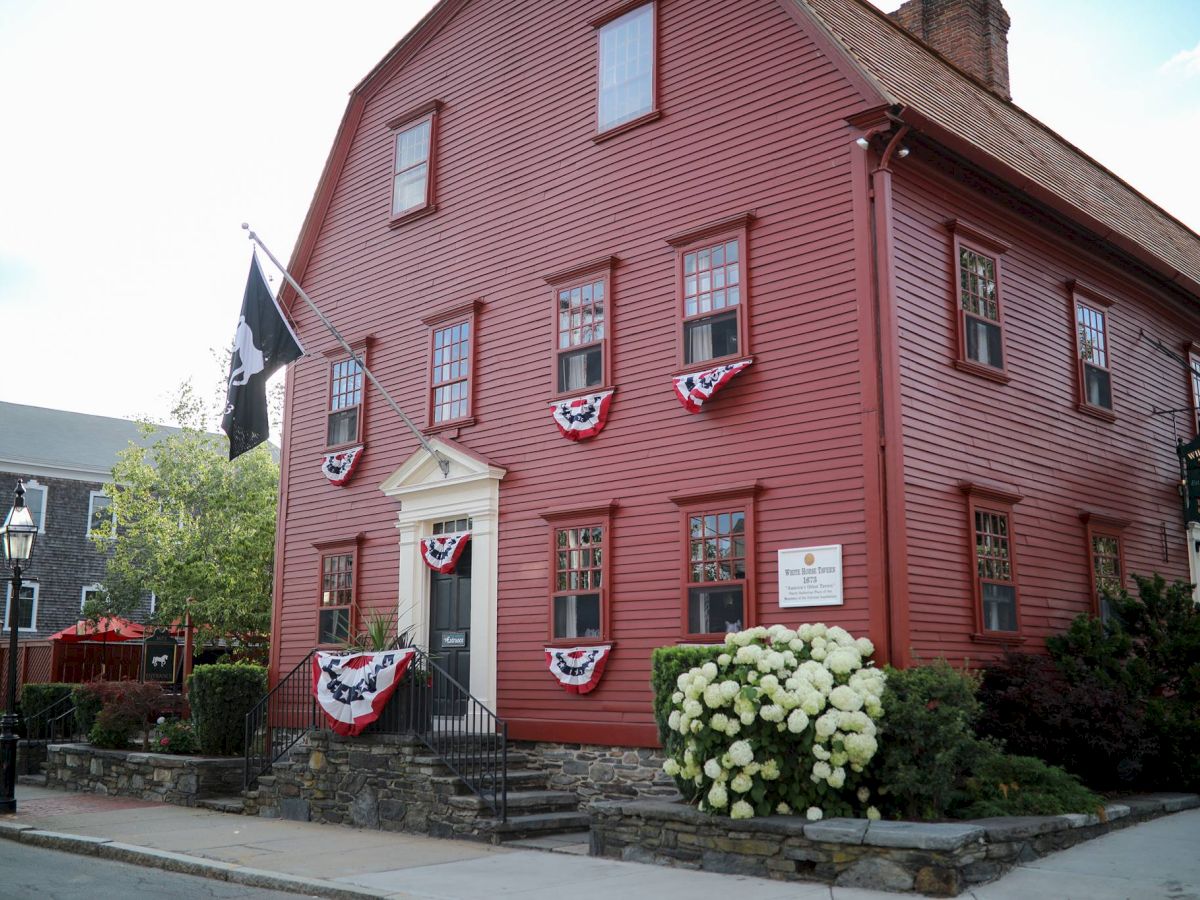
159	654
810	576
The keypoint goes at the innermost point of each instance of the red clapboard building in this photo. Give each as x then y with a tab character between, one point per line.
954	321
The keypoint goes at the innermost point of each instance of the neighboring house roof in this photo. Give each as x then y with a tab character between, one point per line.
949	103
45	439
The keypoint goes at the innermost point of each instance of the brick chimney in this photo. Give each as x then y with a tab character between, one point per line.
972	34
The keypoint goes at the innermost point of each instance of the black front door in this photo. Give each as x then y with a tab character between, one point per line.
450	634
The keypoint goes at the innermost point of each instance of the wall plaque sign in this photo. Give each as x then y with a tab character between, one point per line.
453	639
159	655
810	576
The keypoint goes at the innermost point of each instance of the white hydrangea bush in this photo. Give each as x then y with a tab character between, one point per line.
783	722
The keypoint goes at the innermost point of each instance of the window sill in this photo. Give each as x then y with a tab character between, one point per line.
582	392
338	448
652	116
711	364
998	637
417	213
702	640
997	375
568	643
1096	412
447	426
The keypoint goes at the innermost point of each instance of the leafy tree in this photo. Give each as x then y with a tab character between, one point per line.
194	528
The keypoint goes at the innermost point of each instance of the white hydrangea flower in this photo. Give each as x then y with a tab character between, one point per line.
677	697
741	783
741	810
751	768
838	757
733	727
864	794
860	748
670	766
772	712
821	770
820	752
768	683
718	722
846	698
752	676
713	769
818	653
769	770
819	630
748	655
842	661
785	636
724	660
837	777
740	639
796	645
838	635
783	809
814	814
683	681
741	753
692	708
710	670
673	720
864	647
797	721
717	798
713	698
873	814
696	726
827	724
730	689
748	717
685	724
774	660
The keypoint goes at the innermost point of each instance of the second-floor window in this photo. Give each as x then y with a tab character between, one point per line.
35	500
582	313
626	90
451	375
344	418
979	296
712	291
334	623
27	618
101	518
1095	379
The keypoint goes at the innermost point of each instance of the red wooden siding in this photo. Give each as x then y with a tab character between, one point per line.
753	120
1027	436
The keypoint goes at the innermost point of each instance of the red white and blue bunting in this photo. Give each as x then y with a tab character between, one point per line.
583	417
693	390
338	467
577	669
441	553
352	690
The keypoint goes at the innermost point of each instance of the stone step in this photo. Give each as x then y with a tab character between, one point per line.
233	805
522	779
524	802
34	780
575	843
540	823
485	760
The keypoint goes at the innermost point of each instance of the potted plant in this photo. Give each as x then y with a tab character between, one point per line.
411	706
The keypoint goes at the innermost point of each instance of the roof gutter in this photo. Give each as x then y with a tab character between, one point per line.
923	124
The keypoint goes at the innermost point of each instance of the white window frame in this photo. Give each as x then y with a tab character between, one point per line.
33	485
91	506
604	33
85	590
36	588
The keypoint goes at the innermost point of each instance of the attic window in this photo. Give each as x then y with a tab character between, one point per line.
414	145
627	62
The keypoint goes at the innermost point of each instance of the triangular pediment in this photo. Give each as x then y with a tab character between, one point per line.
421	472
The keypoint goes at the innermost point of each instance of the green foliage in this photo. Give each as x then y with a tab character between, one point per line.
194	528
1003	785
381	632
37	697
221	695
88	699
112	729
175	736
126	707
927	742
666	665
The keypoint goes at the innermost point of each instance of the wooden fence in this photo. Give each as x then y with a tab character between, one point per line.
42	661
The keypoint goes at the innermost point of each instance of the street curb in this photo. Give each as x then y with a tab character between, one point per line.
181	863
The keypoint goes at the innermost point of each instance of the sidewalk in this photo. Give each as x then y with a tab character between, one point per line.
1153	860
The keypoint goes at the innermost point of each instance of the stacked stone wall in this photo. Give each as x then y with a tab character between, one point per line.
596	773
182	780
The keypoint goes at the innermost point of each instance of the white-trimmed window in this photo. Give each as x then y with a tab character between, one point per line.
35	500
29	602
88	593
101	518
626	68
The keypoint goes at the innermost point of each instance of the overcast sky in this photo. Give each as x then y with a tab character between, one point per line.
137	136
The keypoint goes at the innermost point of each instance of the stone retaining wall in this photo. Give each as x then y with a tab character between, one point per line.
938	859
369	781
30	756
181	780
601	773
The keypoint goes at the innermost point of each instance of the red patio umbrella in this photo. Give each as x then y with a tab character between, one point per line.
108	629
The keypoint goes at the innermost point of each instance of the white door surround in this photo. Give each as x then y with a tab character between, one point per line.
471	488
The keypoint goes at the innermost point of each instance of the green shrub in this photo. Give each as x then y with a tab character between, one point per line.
666	665
220	696
174	736
89	699
927	741
1004	785
113	728
38	697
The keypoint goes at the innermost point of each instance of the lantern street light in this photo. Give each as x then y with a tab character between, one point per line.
16	539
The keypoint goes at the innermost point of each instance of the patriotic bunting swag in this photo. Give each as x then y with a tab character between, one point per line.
582	417
442	553
352	690
338	467
692	390
577	669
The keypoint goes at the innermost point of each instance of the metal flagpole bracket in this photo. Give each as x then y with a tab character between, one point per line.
443	463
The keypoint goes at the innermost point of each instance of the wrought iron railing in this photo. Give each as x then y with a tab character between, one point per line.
429	704
55	722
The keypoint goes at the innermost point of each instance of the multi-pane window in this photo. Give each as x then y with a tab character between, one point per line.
451	526
93	592
578	581
716	571
712	291
345	403
979	297
337	598
581	310
1092	333
35	501
1194	367
1106	569
995	570
27	616
626	68
411	169
101	518
451	372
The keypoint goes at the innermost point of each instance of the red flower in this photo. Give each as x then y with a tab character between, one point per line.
164	742
933	704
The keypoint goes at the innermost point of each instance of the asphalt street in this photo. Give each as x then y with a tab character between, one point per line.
29	872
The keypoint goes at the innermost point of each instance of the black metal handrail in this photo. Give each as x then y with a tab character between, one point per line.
55	722
429	704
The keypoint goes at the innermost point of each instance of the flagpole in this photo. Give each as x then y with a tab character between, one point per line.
443	463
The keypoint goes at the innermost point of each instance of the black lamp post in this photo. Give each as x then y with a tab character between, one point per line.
16	538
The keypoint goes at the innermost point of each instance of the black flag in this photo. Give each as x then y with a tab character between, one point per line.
264	341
